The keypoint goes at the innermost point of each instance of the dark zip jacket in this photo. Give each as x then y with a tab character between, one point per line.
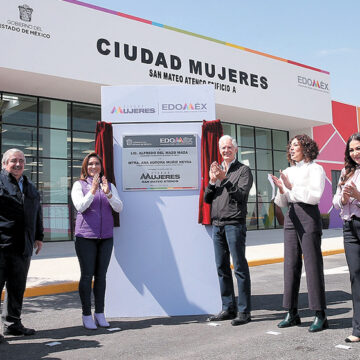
228	198
20	215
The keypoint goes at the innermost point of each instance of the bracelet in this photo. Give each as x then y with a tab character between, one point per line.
108	195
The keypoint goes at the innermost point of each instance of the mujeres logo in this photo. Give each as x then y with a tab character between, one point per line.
132	110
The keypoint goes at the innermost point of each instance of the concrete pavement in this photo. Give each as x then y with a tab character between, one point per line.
60	336
56	269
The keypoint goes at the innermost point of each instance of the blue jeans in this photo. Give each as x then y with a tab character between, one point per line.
230	239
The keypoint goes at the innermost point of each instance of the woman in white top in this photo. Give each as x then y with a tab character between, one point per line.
300	188
347	199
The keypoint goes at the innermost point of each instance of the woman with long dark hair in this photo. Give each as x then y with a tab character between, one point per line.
347	199
300	188
94	199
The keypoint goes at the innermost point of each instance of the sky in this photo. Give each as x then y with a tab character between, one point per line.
324	34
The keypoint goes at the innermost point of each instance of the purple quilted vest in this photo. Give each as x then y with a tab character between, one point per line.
96	222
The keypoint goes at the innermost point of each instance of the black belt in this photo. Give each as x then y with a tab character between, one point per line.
353	218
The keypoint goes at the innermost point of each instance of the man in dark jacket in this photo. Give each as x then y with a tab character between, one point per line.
21	231
228	193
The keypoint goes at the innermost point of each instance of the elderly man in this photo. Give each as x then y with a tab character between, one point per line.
228	193
21	230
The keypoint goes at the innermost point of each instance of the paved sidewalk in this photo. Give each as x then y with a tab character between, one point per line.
56	268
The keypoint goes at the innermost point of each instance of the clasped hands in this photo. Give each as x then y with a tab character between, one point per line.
350	191
283	181
216	172
104	185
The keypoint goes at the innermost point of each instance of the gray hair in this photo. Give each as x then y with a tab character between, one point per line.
228	137
7	154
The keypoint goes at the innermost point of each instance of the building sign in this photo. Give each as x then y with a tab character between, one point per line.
123	50
159	162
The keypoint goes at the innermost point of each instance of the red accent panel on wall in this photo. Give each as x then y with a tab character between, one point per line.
322	134
344	119
330	166
334	150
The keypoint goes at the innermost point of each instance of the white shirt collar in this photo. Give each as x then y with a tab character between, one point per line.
223	164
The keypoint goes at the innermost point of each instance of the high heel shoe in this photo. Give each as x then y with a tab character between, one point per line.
100	320
320	322
291	319
88	322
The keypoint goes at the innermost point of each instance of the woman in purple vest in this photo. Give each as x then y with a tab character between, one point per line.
94	198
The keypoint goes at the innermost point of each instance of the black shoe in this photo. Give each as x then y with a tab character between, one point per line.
320	323
223	315
2	339
290	320
241	319
18	329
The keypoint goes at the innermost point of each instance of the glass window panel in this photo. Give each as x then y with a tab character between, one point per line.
280	140
263	138
264	159
229	129
247	156
280	160
266	215
83	144
54	181
279	216
252	192
264	188
54	143
56	219
31	168
54	114
251	217
21	137
76	167
245	135
20	110
85	117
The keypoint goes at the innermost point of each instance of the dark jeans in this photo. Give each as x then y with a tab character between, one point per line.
13	271
94	257
352	251
230	239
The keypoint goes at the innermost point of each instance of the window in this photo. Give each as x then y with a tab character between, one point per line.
55	136
264	151
335	177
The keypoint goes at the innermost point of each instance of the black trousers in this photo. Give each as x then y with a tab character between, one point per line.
302	236
352	252
13	272
94	257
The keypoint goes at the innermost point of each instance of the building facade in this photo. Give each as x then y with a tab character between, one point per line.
50	86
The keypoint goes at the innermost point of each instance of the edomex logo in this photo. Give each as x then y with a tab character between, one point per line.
176	140
129	110
186	107
25	12
313	84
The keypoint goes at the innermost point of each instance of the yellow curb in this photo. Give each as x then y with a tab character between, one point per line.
74	285
281	259
50	289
